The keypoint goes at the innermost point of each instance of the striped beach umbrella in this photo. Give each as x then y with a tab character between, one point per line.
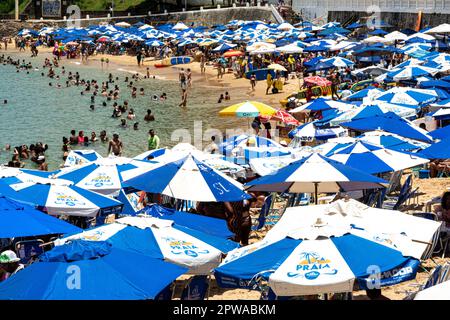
294	266
248	109
374	159
188	178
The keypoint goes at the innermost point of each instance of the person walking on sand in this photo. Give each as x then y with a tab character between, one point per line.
269	81
253	81
139	57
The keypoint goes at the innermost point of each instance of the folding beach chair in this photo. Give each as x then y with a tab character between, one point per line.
165	294
196	288
393	203
258	224
29	250
431	249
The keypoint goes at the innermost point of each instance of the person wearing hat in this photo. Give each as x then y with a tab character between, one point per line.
9	264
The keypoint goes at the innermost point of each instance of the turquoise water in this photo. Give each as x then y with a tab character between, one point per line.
37	112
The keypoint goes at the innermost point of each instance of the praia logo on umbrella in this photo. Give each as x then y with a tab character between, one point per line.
311	266
69	201
184	247
101	180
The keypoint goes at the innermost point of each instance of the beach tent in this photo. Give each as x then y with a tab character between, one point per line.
106	273
389	122
315	174
160	239
20	220
375	159
188	179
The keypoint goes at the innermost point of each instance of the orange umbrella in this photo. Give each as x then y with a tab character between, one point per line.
318	81
233	53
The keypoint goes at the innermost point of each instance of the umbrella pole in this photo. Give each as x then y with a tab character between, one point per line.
316	184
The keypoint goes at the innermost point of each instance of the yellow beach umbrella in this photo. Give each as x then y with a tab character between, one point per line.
248	109
276	67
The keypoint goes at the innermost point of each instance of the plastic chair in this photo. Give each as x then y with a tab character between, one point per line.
29	250
196	289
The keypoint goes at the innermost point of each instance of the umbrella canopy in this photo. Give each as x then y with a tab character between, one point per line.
80	157
189	179
442	28
375	159
309	132
315	173
389	122
103	176
440	150
107	274
242	140
441	133
233	53
290	48
161	239
282	116
411	72
294	266
61	199
318	81
224	47
19	220
123	24
339	62
320	104
180	26
276	67
391	141
377	108
408	96
440	291
248	109
371	93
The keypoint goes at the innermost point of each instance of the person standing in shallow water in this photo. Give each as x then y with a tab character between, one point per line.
115	145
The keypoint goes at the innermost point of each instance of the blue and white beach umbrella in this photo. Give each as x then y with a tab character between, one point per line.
411	72
103	175
309	132
80	157
188	179
392	141
374	159
370	93
161	239
377	108
105	273
339	62
408	96
314	174
296	267
60	198
320	104
242	140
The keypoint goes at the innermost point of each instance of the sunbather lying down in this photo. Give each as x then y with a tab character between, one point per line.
439	165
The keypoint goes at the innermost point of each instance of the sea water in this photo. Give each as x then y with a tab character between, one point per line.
36	112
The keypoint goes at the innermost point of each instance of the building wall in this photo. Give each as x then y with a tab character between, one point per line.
314	9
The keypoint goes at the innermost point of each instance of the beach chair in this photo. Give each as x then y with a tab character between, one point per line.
165	294
432	280
393	203
259	223
29	250
394	182
196	288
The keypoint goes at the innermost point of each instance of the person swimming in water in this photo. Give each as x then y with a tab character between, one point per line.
149	116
